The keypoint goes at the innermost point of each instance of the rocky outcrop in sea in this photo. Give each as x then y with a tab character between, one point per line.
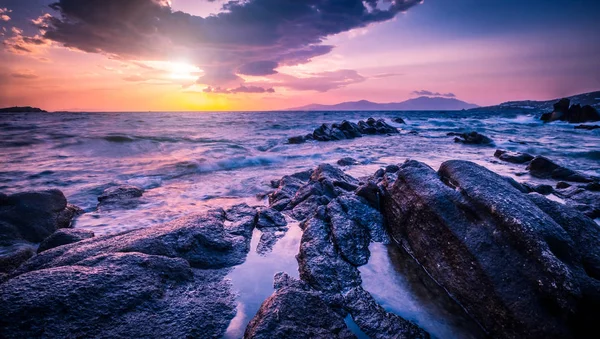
346	130
564	111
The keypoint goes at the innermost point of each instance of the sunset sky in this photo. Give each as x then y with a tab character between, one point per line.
171	55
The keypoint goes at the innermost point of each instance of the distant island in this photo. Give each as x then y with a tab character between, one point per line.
24	109
423	103
592	99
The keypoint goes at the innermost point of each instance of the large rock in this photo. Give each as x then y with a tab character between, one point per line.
64	236
33	216
513	157
296	311
120	197
573	114
347	130
514	268
117	295
583	198
471	138
542	167
216	239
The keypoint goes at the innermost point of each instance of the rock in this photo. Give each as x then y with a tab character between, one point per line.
286	188
64	237
208	241
471	138
562	185
583	199
516	270
347	161
542	167
269	217
295	311
33	216
513	157
297	140
120	197
117	295
268	239
574	114
13	257
399	120
374	321
541	189
392	169
587	127
347	130
350	236
370	192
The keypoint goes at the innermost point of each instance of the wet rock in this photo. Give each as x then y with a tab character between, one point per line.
573	114
297	140
562	185
582	199
541	189
374	321
347	161
286	189
33	216
370	192
471	138
64	236
587	127
120	197
268	217
268	239
13	257
516	270
513	157
542	167
117	295
351	237
295	311
347	130
399	120
208	241
392	169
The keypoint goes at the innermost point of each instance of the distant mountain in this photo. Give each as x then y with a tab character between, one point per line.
26	109
417	104
592	99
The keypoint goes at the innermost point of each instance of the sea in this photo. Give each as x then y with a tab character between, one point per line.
189	162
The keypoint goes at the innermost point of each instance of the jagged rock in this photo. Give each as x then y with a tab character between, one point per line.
296	311
574	114
347	161
542	167
513	157
587	127
392	169
286	188
370	192
268	239
347	130
64	236
117	295
561	108
33	216
374	321
583	199
399	121
208	241
471	138
516	270
268	217
11	259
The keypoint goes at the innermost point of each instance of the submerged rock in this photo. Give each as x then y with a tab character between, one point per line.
471	138
296	311
64	237
347	161
117	295
516	269
513	157
33	216
588	127
120	197
542	167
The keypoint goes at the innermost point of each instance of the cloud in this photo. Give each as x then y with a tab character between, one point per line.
21	44
4	14
320	82
24	75
433	94
249	37
240	89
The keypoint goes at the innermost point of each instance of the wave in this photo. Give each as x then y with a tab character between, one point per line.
197	167
129	138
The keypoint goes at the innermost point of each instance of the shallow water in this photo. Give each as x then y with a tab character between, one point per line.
190	162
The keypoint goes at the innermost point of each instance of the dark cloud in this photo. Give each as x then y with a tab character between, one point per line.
24	75
251	37
433	94
240	89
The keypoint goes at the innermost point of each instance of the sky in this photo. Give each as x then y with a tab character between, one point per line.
195	55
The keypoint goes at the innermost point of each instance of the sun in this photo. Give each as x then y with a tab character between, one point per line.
182	70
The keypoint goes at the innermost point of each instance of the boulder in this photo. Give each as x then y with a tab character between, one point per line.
120	197
573	114
471	138
269	218
347	161
297	140
399	120
561	109
64	236
513	157
514	268
117	295
542	167
33	216
585	199
216	239
296	311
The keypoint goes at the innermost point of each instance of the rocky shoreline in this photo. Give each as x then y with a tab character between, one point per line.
521	265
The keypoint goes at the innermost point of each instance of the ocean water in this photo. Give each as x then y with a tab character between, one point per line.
190	162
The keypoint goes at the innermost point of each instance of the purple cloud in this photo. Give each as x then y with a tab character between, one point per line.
433	94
